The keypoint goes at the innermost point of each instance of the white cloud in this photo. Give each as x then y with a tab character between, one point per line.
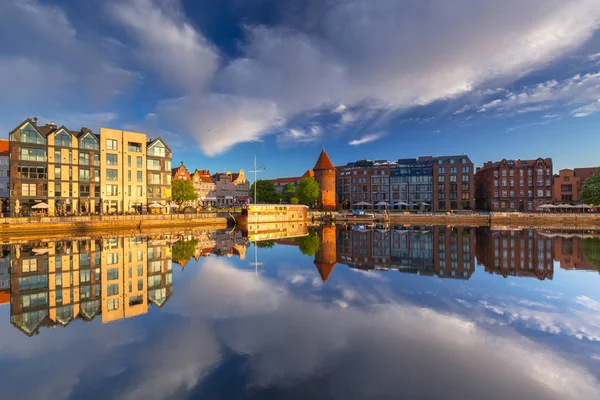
168	42
366	139
594	56
587	110
296	135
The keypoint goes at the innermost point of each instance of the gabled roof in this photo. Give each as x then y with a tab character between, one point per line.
203	175
158	139
4	147
515	163
309	174
323	163
584	173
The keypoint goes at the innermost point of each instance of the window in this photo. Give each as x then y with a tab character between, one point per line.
129	161
140	284
57	173
97	160
452	178
540	193
496	173
111	159
140	257
88	142
153	165
28	189
112	289
138	162
139	176
84	190
112	274
140	270
139	191
128	176
465	178
155	179
511	172
112	174
62	139
34	300
84	174
465	170
442	170
112	190
84	158
33	155
112	258
113	304
30	135
128	190
441	178
111	144
158	150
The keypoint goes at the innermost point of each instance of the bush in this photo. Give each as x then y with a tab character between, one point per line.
294	200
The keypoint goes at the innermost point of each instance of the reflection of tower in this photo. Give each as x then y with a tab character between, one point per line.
326	257
325	175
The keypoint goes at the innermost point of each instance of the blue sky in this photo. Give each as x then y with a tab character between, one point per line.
220	80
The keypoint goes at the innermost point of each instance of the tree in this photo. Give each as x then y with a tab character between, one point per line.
182	191
288	192
294	200
308	191
309	245
590	190
591	251
266	192
265	244
183	250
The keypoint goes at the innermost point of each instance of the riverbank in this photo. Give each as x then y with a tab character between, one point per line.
17	227
522	220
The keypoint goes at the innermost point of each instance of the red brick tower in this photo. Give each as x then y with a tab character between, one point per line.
326	257
325	175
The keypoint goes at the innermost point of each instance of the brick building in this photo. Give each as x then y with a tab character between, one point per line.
181	172
326	257
4	175
453	183
281	182
567	184
514	185
521	253
231	188
568	252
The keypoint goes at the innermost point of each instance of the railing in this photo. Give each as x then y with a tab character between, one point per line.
101	218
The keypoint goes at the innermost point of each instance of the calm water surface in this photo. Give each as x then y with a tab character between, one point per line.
343	313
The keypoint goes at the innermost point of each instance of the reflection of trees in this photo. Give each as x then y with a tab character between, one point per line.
184	250
309	245
591	251
265	244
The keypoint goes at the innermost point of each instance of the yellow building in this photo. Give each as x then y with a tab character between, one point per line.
123	171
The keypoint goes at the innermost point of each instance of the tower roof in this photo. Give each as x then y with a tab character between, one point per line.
324	269
323	162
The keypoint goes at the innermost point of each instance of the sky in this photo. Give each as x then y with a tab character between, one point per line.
220	80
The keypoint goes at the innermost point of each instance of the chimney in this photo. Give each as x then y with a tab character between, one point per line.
35	120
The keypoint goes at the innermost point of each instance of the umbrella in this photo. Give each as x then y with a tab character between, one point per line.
155	205
547	206
362	203
173	204
424	204
40	206
401	203
582	206
564	206
382	203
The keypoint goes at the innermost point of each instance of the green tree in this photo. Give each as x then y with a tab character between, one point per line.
591	251
183	250
288	192
308	191
590	190
309	245
182	191
266	192
265	244
294	200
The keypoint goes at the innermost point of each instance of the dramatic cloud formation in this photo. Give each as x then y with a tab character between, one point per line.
358	52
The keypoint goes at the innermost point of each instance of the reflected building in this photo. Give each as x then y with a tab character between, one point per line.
4	275
53	283
568	251
442	251
326	256
522	253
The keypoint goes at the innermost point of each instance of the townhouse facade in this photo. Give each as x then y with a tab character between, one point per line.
158	169
205	187
4	175
514	185
231	188
73	172
568	182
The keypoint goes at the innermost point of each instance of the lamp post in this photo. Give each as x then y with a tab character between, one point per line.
255	170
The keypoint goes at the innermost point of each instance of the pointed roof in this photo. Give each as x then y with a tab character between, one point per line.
309	174
323	162
324	270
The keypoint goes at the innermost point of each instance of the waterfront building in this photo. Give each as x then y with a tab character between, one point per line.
454	252
56	166
205	187
514	185
568	252
4	277
281	182
158	169
231	188
4	175
567	184
82	172
437	183
521	253
326	257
